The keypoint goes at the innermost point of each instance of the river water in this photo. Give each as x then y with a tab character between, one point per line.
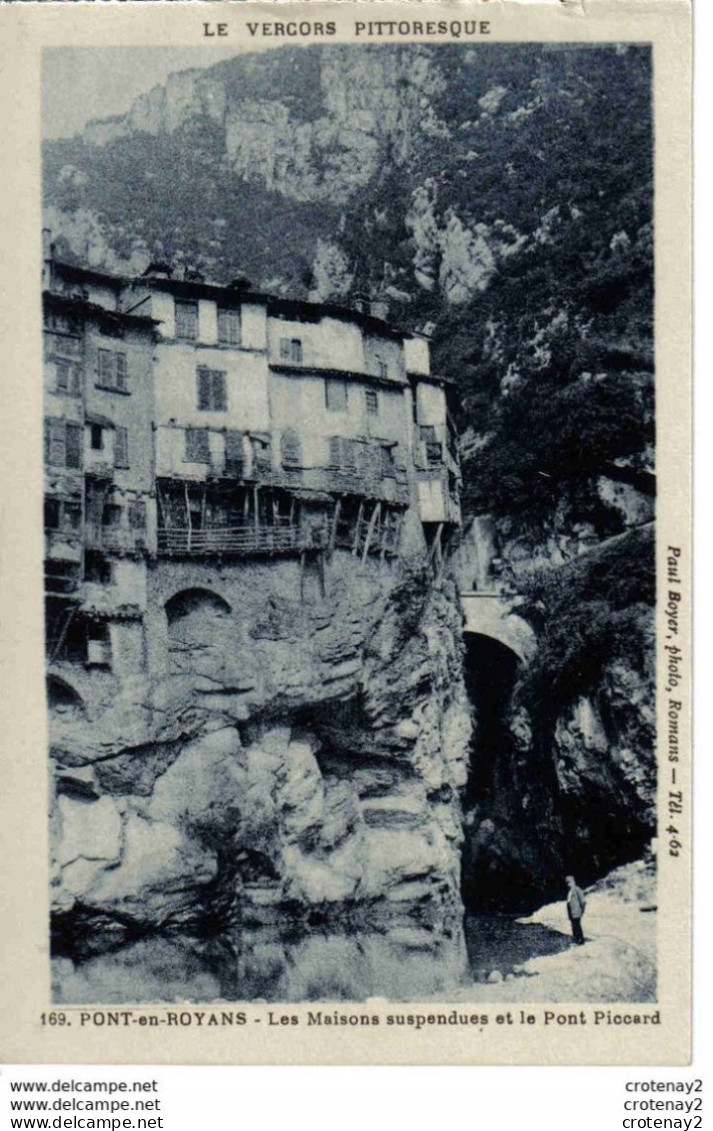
269	964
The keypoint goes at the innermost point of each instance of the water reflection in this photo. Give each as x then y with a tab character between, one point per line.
268	965
406	963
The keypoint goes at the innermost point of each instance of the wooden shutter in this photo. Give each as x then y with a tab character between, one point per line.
106	367
285	349
349	454
55	442
204	389
197	445
187	320
234	454
73	445
120	363
121	448
220	395
290	445
63	371
229	327
372	402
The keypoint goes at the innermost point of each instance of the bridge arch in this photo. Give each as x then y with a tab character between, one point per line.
491	615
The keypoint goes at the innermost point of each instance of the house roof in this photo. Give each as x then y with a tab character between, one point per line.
297	370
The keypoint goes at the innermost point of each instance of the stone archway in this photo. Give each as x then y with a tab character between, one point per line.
491	615
199	625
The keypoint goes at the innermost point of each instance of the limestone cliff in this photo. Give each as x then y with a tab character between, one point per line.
295	759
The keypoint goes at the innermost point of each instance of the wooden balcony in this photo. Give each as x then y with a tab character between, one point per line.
238	541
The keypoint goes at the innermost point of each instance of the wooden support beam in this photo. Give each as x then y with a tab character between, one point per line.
357	529
370	529
335	523
63	633
188	513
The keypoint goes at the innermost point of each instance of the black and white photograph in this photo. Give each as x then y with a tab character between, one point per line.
349	525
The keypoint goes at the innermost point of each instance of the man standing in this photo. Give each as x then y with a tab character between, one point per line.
575	909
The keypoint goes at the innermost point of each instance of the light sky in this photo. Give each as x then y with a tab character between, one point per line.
80	83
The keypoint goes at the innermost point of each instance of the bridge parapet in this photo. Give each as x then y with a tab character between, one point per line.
494	614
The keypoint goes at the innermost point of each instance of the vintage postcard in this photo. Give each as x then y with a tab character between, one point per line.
346	533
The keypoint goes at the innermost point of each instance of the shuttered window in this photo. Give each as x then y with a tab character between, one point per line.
121	448
186	320
68	377
229	327
290	448
112	370
63	443
234	454
336	395
197	445
212	391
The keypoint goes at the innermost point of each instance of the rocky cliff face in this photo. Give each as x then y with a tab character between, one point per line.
311	766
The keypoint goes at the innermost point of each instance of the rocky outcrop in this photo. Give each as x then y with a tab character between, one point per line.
325	785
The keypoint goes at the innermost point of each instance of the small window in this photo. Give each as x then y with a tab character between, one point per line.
372	402
382	367
111	515
96	567
197	445
72	516
137	515
186	320
434	452
121	448
212	391
97	437
52	514
291	350
229	327
336	395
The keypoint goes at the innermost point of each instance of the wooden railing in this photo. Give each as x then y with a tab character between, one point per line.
277	539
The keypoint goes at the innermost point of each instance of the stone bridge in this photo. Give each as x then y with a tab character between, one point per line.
493	615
